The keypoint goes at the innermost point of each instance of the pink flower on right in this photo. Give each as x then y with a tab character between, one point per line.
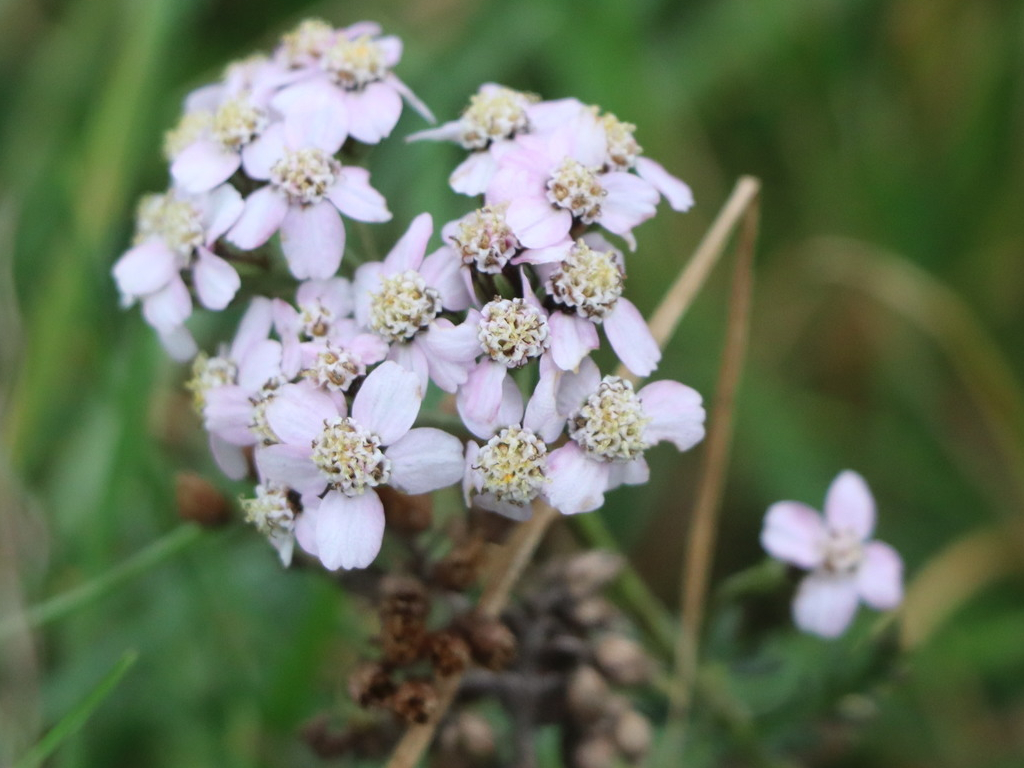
845	565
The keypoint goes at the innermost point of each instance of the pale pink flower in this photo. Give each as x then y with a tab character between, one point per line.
273	515
230	389
611	427
322	448
587	288
846	566
308	191
400	298
176	232
552	180
513	467
494	117
320	339
509	333
350	90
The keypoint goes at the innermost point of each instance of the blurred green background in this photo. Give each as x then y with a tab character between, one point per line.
886	338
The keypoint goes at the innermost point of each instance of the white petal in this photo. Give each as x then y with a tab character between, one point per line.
388	401
179	343
221	209
825	604
424	460
297	413
675	191
577	483
542	414
479	399
349	530
316	117
794	533
230	458
631	339
260	365
443	270
259	155
202	165
373	112
264	211
676	414
254	326
635	472
216	281
411	357
450	131
536	223
355	198
572	339
630	201
507	509
313	240
880	576
290	465
408	251
169	307
145	269
575	387
473	174
849	505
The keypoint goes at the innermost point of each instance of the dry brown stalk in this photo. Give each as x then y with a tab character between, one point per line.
516	554
711	483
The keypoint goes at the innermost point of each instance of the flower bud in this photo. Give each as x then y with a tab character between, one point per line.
492	643
595	751
199	501
632	735
622	660
470	735
414	701
586	694
587	573
370	685
448	651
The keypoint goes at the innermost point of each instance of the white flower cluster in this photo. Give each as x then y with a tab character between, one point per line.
321	386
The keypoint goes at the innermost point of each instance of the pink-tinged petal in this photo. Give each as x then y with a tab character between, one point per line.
316	116
287	322
473	175
528	293
575	387
479	399
355	198
411	98
362	29
542	414
880	576
206	98
253	328
536	223
678	194
849	505
202	165
260	365
449	353
576	483
349	530
443	271
512	181
367	283
297	413
507	509
630	201
572	339
424	460
216	281
510	411
313	240
825	604
411	357
228	413
676	414
305	527
450	131
373	112
230	458
391	47
284	543
290	465
550	255
145	269
178	343
388	401
221	209
264	211
408	251
794	533
635	472
369	348
631	339
169	307
259	155
333	294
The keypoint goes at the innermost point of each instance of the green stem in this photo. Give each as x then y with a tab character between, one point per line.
61	605
78	716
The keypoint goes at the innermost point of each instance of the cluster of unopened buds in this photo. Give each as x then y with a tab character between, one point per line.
319	393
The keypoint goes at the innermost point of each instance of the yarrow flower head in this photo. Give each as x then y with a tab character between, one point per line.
846	566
